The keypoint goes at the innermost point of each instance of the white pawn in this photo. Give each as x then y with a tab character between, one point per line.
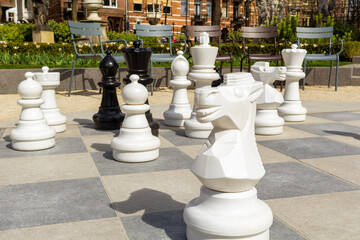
49	82
32	131
135	142
267	121
179	109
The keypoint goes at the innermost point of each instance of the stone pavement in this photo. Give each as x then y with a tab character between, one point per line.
76	191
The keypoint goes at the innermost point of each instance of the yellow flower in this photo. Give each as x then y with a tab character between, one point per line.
167	48
305	44
71	55
182	44
314	45
25	44
162	45
130	43
262	46
37	46
48	43
60	49
280	44
16	47
15	54
181	48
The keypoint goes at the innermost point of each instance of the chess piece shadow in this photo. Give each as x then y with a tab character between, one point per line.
154	202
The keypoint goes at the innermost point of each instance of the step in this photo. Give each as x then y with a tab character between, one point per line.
356	59
355	81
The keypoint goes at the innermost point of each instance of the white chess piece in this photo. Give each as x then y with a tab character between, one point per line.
179	109
291	109
32	131
267	121
203	74
228	165
135	142
49	81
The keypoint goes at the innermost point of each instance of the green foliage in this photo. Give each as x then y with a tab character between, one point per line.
16	32
61	31
112	35
234	35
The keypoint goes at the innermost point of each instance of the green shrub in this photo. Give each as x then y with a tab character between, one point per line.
15	32
61	31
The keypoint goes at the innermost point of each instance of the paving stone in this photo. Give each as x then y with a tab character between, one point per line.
170	225
305	148
292	179
324	129
45	203
179	138
1	133
169	159
62	145
87	129
338	116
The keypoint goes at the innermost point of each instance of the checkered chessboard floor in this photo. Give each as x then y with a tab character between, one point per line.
76	191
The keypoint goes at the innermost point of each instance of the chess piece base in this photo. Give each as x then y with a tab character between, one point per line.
218	216
32	136
268	122
292	111
196	129
177	114
135	145
55	119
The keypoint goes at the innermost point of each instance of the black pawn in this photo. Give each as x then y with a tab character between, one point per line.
109	116
137	61
220	80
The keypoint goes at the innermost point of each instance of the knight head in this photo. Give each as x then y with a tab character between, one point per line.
228	106
262	72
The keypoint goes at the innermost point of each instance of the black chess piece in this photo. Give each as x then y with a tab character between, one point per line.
109	116
220	80
137	61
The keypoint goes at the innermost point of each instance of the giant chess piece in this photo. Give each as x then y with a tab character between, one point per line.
109	116
179	109
49	81
228	165
137	61
291	109
32	131
203	74
135	142
267	121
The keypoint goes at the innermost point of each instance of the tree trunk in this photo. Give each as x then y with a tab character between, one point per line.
215	12
74	10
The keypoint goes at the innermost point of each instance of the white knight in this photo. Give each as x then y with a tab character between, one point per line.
228	165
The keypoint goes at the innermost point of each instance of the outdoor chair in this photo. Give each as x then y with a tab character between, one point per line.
86	31
316	33
259	34
163	31
215	34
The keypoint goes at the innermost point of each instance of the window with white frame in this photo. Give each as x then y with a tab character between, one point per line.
137	7
110	3
153	7
208	7
225	9
167	9
184	8
197	7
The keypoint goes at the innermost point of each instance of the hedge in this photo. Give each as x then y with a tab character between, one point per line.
12	48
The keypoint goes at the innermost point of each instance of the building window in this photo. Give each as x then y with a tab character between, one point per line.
225	9
137	7
236	11
167	10
184	8
208	7
153	7
197	7
110	3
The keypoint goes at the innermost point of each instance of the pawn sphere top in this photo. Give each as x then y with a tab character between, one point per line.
134	78
294	46
45	69
180	53
29	88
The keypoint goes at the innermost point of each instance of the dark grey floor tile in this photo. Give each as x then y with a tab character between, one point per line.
279	231
338	116
305	148
44	203
292	179
88	129
326	129
155	226
169	159
170	225
62	146
178	138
